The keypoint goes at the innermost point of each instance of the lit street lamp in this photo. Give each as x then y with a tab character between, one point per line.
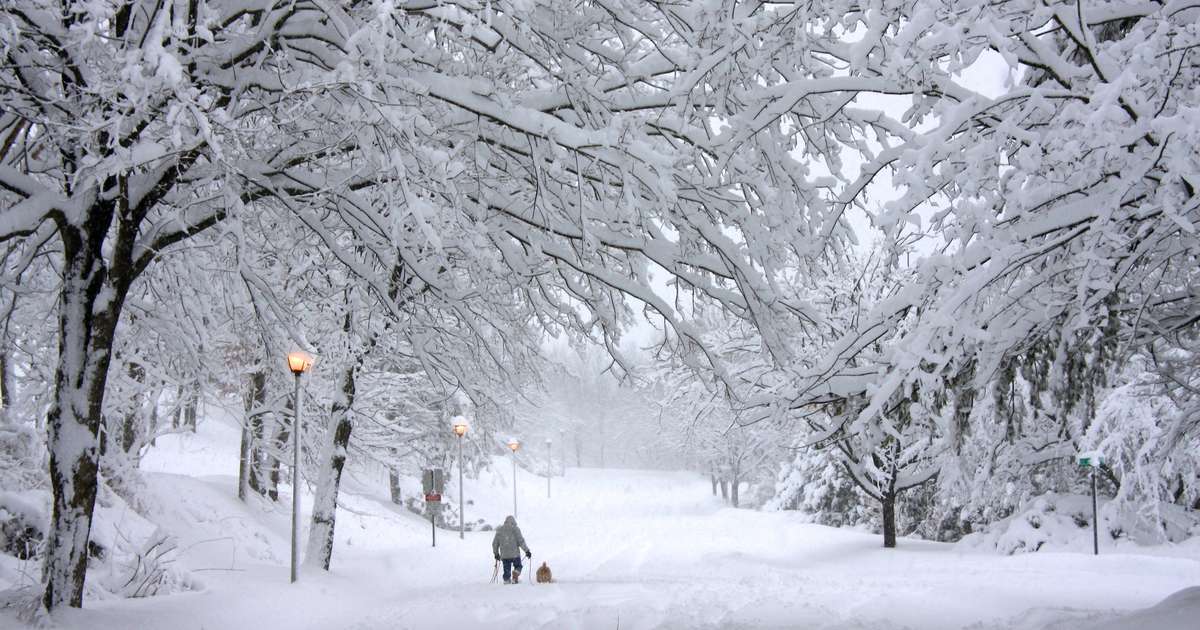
513	445
460	429
298	363
549	462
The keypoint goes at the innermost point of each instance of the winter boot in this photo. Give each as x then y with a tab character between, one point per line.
516	576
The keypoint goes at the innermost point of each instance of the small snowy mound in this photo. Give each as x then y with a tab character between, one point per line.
1063	522
1180	611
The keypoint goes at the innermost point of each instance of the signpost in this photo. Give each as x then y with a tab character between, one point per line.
433	482
1093	460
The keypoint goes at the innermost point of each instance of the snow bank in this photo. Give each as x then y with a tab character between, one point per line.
1063	522
1179	611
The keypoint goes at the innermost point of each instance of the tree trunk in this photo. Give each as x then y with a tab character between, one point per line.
6	384
187	411
282	434
724	489
713	477
152	421
87	322
733	491
324	512
132	420
254	404
888	503
394	486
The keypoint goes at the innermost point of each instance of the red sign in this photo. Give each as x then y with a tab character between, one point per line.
433	498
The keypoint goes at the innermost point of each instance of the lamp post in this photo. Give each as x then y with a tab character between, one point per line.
513	445
549	462
298	363
460	429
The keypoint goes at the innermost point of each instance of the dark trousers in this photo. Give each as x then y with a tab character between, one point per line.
511	564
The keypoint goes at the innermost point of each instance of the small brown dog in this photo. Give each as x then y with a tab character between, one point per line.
543	574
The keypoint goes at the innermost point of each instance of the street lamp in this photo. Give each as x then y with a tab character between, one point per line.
513	445
460	429
549	462
298	363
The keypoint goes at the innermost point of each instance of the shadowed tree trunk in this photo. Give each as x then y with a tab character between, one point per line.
252	429
394	486
6	384
91	299
130	423
888	503
282	435
324	512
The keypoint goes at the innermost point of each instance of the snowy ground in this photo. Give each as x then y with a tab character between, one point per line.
628	549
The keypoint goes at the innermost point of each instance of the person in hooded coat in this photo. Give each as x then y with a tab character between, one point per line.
506	547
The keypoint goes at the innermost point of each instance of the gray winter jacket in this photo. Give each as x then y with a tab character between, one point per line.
508	541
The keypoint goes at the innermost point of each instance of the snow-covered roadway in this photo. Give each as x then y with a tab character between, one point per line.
629	550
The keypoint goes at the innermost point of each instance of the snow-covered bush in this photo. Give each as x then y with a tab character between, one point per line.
22	524
817	488
147	569
1063	522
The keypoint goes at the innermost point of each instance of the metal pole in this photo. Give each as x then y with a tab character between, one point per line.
514	484
549	461
296	481
1095	518
462	514
432	507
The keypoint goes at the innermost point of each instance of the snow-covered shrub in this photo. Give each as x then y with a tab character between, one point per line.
22	524
1142	433
21	452
1063	522
148	570
447	514
129	556
817	488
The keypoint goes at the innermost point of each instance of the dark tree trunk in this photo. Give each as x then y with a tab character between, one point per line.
131	422
282	435
6	384
91	301
734	485
187	411
713	477
394	486
888	503
152	421
248	460
324	512
724	489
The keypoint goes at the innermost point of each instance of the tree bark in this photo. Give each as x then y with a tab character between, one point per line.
713	477
733	491
6	384
394	486
255	401
131	422
724	489
87	322
187	411
282	434
324	512
888	503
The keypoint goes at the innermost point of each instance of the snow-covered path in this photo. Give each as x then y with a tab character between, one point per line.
629	550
